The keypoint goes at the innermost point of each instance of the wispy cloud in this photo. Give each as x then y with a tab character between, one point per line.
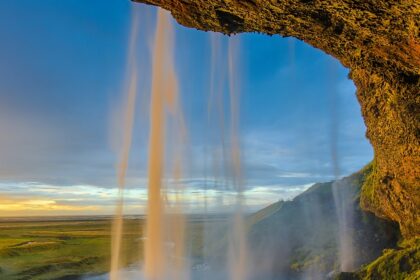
38	199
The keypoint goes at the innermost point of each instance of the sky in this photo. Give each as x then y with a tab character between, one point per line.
63	86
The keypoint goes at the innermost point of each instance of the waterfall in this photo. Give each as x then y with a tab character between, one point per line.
164	99
238	250
117	226
341	191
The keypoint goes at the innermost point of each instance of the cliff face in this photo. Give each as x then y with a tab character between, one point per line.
378	40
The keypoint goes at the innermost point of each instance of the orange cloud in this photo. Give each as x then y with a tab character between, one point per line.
10	206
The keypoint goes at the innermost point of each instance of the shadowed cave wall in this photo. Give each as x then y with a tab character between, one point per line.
378	40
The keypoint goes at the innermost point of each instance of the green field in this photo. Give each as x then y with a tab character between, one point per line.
67	248
52	249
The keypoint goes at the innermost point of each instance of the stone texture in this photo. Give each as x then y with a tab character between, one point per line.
379	41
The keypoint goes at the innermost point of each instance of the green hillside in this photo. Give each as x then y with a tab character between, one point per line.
300	237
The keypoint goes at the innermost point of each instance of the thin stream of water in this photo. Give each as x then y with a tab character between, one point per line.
159	260
154	267
117	226
339	189
177	232
238	251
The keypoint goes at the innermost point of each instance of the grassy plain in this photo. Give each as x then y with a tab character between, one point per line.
68	247
54	249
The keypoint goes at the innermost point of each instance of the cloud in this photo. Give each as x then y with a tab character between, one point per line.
33	198
30	206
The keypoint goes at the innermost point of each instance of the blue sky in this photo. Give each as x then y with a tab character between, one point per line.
62	89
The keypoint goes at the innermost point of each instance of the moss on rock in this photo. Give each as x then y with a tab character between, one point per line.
402	263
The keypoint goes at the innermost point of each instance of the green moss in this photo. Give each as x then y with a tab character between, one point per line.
367	196
402	263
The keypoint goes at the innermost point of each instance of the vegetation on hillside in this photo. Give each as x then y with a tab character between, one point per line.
305	231
401	263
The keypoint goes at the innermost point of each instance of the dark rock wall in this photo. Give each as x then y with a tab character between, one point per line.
379	41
